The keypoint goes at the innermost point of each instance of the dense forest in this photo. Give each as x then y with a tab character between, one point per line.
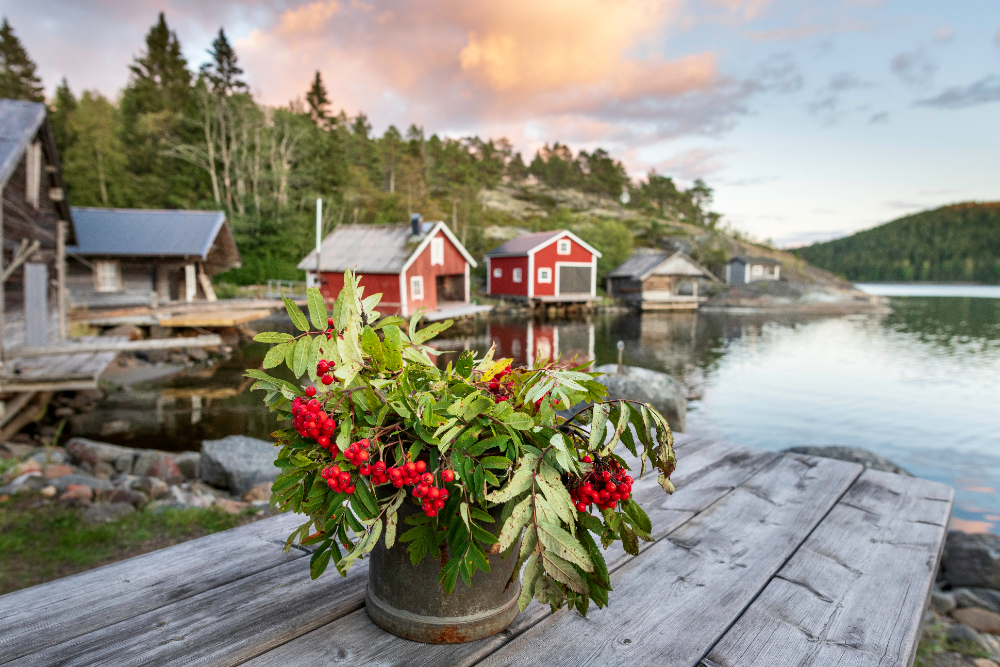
195	138
958	243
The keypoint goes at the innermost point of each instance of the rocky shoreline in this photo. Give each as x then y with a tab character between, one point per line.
108	481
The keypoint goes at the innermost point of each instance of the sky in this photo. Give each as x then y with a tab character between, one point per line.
811	119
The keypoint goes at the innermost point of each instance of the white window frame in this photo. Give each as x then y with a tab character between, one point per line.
437	251
517	275
498	272
544	275
417	288
107	276
564	247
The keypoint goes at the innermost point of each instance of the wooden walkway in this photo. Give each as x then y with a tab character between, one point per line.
761	559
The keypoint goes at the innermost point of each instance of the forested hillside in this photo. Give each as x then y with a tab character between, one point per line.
180	136
958	243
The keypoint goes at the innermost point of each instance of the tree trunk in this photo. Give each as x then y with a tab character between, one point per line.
100	175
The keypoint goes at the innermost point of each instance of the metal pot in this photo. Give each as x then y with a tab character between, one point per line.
409	602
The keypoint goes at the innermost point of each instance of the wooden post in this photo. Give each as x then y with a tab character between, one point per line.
61	276
3	294
190	286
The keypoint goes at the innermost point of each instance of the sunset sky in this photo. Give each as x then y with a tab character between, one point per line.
810	118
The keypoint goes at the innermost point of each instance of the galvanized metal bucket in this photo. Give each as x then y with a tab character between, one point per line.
409	602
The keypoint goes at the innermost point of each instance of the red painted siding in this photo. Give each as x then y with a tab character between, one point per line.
386	283
505	283
549	255
454	265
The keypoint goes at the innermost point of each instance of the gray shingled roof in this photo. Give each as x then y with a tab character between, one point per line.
19	123
638	264
522	244
366	248
145	232
757	260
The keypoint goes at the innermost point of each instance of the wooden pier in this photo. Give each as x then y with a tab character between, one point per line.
760	559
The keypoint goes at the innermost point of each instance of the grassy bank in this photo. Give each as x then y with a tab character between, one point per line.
42	540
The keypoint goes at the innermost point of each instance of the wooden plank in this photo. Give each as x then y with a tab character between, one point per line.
678	597
855	592
355	637
116	345
218	318
41	616
220	627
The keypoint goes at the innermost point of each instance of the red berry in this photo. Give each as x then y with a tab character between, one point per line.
349	490
438	504
420	466
379	467
365	470
344	478
431	512
323	441
580	507
427	478
444	494
587	459
447	475
411	467
329	322
394	472
310	391
327	379
433	492
606	476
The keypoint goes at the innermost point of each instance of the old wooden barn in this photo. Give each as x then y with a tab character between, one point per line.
654	280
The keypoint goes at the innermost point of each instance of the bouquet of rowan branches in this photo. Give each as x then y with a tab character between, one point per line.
379	424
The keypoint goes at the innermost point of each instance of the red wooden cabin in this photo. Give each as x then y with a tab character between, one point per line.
548	266
417	265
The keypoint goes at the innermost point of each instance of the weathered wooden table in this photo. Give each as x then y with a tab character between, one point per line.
760	559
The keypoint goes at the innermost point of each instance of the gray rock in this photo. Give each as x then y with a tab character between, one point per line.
136	499
197	354
942	603
29	481
91	451
153	487
962	633
62	483
189	463
854	455
144	460
965	597
972	560
55	456
989	596
107	512
237	463
641	384
123	463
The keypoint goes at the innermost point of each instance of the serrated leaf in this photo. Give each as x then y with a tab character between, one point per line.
372	346
564	572
393	347
529	541
429	332
512	527
290	353
520	482
496	462
298	319
564	545
600	573
320	559
496	368
519	421
272	337
301	358
317	308
642	521
529	578
464	364
314	356
598	426
557	495
275	356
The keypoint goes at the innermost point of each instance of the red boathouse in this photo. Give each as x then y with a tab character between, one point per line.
548	266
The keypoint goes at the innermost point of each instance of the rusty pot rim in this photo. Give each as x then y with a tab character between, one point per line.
440	621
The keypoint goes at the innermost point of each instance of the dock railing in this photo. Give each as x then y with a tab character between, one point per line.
289	288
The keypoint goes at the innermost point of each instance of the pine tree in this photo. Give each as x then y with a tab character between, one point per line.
160	77
222	71
317	99
62	108
18	80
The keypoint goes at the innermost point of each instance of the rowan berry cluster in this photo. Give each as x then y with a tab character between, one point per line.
337	479
324	369
605	485
310	421
424	487
357	452
501	390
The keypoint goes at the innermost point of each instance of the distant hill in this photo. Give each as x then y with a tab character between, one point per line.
958	243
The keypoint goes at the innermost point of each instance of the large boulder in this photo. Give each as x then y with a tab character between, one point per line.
88	451
237	463
854	455
972	560
641	384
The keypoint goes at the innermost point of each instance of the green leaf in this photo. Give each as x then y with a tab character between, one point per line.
431	331
301	359
320	559
449	574
518	420
414	319
563	571
552	486
529	577
290	354
642	521
564	545
520	482
272	337
372	346
298	319
600	574
598	426
529	541
499	462
317	308
392	320
512	527
363	493
464	364
393	346
275	356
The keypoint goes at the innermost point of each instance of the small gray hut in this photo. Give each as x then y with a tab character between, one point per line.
741	270
655	280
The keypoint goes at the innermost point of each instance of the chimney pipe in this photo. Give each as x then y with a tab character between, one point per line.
415	224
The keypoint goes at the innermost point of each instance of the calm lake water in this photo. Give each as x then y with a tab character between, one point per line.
919	385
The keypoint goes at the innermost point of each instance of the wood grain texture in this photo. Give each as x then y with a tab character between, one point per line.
684	592
221	627
703	478
855	592
41	616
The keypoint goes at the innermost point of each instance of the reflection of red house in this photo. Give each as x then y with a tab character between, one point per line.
524	342
413	266
547	266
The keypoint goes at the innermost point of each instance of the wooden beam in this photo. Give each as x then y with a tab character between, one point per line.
32	412
61	228
204	340
14	406
206	283
24	252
